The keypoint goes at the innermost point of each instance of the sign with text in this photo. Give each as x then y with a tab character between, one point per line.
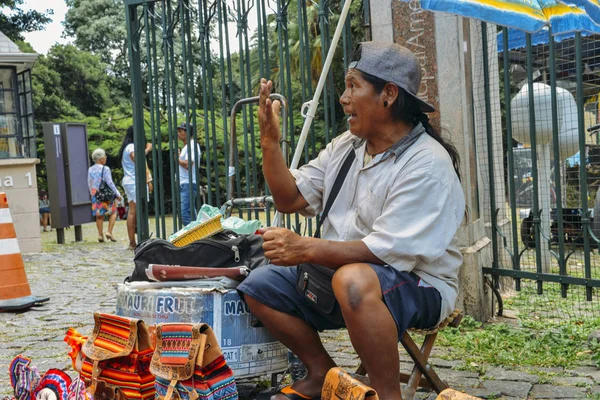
67	165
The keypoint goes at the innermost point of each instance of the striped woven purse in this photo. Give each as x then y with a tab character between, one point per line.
117	357
189	365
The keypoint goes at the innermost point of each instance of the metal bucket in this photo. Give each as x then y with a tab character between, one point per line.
248	350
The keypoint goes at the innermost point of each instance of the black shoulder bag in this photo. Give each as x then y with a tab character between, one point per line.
104	192
314	281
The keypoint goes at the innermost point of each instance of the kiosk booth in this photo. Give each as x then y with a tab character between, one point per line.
18	155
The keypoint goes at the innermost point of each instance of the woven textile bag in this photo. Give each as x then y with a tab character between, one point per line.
339	385
189	365
117	355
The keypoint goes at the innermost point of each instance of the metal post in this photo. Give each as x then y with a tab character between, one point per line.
562	265
534	168
585	215
133	34
511	170
490	149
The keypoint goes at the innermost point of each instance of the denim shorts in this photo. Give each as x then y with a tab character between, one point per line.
412	302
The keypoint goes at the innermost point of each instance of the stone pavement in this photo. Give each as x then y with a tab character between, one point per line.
80	278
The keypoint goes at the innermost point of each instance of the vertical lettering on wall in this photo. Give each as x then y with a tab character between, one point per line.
414	28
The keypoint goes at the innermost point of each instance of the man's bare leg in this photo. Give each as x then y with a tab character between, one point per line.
300	338
371	327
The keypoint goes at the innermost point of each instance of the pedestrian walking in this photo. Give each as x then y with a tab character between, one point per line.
98	173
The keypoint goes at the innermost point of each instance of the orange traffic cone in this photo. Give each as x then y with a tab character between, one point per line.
15	293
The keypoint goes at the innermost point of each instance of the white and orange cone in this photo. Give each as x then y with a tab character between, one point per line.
15	294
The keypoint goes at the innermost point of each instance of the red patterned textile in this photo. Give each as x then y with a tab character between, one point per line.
119	353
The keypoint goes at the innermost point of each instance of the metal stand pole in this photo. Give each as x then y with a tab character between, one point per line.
60	235
78	233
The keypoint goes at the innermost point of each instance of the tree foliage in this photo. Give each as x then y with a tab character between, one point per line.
89	81
17	22
69	83
98	27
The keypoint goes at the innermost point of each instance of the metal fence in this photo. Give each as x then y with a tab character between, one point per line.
193	61
535	102
536	111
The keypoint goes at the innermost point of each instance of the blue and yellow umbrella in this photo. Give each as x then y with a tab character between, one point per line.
527	15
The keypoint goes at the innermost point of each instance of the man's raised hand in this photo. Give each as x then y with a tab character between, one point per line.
268	116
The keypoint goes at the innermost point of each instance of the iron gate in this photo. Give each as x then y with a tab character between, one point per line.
535	108
186	67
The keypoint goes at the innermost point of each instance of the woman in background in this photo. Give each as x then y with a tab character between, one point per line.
127	157
96	174
44	205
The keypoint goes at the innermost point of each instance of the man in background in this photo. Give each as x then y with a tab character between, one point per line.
189	153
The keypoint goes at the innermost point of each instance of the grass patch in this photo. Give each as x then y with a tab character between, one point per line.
527	343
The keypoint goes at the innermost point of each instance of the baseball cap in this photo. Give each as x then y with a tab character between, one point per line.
392	63
184	126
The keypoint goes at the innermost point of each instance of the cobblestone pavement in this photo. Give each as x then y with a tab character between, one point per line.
80	278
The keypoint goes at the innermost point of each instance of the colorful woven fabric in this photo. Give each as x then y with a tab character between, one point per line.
55	380
114	333
120	347
131	374
75	340
77	391
213	382
23	377
176	341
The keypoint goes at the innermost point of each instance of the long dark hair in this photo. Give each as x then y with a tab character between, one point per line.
406	109
127	140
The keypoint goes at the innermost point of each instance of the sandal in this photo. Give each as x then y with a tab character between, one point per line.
292	394
101	238
110	237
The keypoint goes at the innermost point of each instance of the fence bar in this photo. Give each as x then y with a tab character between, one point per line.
169	78
151	98
585	215
534	169
324	27
306	79
569	280
159	176
511	167
489	135
186	85
251	164
562	265
133	34
193	170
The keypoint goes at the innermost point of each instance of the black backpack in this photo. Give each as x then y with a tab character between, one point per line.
225	249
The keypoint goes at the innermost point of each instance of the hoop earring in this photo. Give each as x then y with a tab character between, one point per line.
385	103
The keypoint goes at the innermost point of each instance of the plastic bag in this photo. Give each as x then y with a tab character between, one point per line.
235	224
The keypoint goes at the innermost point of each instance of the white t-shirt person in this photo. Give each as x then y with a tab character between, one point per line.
184	175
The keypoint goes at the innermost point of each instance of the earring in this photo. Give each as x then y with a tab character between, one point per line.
385	103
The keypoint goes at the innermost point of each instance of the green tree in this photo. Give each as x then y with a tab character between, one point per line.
98	26
16	22
83	78
49	100
69	83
